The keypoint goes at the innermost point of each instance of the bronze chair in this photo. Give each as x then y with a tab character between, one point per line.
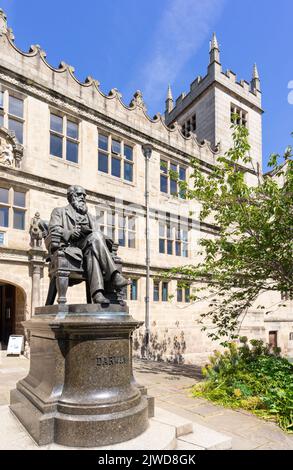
65	271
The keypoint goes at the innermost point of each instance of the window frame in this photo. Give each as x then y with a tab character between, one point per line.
65	138
189	125
2	238
115	227
185	293
168	236
12	208
156	283
6	205
243	115
165	168
111	155
160	283
7	116
129	289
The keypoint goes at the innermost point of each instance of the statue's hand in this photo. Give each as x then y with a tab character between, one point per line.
75	234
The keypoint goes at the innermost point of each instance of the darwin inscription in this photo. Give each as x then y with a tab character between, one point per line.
111	360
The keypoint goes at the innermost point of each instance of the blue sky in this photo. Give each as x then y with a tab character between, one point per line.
145	44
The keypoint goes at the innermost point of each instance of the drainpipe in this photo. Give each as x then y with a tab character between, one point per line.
147	152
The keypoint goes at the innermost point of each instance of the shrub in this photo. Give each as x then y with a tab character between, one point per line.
251	377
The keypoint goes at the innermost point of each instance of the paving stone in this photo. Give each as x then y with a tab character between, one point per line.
207	438
239	443
162	392
182	401
182	445
271	446
183	412
267	433
206	410
233	421
4	397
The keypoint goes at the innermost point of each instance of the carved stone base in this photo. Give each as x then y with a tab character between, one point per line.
79	390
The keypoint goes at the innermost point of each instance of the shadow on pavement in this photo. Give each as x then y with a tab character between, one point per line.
153	367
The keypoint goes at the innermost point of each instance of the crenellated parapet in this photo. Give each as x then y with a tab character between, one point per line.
226	79
246	91
61	86
206	111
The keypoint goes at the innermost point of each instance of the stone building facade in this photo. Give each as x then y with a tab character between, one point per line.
56	131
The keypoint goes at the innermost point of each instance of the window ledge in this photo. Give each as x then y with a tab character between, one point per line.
170	196
64	162
174	256
116	178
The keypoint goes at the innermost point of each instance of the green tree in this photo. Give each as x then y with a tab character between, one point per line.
252	252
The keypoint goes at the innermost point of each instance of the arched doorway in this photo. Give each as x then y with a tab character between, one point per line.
12	312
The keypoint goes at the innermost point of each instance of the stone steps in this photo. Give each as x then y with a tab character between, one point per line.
193	436
167	431
204	438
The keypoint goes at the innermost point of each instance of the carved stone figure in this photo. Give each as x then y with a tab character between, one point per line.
6	152
82	241
36	231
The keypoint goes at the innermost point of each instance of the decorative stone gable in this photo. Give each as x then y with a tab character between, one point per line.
137	101
11	152
3	25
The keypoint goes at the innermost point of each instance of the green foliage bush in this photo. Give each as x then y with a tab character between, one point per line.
253	378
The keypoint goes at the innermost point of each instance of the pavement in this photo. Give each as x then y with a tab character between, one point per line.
170	385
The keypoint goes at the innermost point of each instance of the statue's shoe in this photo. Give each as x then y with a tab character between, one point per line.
120	281
99	298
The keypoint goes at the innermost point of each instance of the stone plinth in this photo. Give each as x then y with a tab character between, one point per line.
79	390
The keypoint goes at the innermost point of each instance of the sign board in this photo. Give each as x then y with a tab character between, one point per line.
15	344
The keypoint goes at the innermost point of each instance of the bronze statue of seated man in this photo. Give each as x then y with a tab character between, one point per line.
82	240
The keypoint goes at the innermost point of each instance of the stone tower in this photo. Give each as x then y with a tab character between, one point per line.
212	100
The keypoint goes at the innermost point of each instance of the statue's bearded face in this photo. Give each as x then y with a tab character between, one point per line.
78	202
